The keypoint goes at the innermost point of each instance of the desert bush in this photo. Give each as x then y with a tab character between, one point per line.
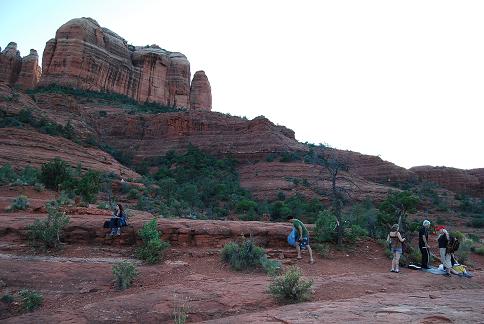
88	186
412	256
242	257
8	299
19	203
323	249
54	173
180	309
30	299
46	233
103	205
153	247
325	229
355	232
479	250
39	187
476	222
124	273
271	267
464	252
7	174
290	287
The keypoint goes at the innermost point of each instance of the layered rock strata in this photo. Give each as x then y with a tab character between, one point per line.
200	92
87	56
23	147
469	182
22	72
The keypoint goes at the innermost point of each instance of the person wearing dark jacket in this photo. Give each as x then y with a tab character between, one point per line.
423	243
117	220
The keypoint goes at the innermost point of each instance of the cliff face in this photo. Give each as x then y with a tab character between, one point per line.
200	92
87	56
22	72
470	182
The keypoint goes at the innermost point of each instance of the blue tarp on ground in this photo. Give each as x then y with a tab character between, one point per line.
436	271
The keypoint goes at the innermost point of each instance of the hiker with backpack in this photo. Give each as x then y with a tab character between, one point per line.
445	254
395	240
423	243
301	236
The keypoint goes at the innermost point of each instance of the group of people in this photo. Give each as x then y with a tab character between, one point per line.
446	252
299	238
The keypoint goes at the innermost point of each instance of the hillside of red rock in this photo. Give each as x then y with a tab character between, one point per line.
15	70
23	147
469	182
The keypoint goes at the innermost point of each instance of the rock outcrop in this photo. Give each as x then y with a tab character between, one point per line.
200	92
30	72
23	147
469	182
14	70
10	64
87	56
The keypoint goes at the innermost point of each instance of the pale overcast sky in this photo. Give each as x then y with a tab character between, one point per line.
400	79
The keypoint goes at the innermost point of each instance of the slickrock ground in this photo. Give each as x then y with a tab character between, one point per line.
352	284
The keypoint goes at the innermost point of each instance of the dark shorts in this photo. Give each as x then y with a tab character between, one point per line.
304	243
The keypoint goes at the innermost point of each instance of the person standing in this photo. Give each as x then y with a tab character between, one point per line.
443	240
396	241
423	243
302	238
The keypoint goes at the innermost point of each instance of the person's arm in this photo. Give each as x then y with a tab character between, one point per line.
425	241
400	237
299	232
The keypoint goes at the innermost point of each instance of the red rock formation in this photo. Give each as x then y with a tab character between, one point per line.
266	179
200	92
10	64
85	55
469	182
24	72
30	72
22	147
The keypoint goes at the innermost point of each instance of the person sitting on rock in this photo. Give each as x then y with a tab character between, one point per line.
118	220
395	240
302	238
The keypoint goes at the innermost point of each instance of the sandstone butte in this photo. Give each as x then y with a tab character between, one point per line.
87	56
15	70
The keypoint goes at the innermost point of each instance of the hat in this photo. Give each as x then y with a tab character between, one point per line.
438	228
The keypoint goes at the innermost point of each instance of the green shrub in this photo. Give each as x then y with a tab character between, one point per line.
477	222
473	237
180	309
124	273
323	249
103	205
88	186
46	233
7	174
325	229
19	203
28	176
271	267
54	173
133	193
242	257
479	250
30	299
355	232
153	247
464	251
458	235
8	299
39	187
290	287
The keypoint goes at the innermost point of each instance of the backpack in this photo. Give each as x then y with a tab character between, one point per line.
291	238
453	244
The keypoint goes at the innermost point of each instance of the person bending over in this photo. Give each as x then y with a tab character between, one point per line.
302	238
